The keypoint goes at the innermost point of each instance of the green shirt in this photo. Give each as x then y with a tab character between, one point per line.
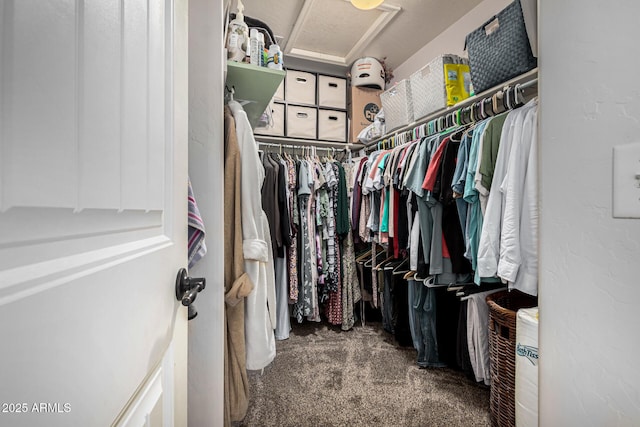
490	145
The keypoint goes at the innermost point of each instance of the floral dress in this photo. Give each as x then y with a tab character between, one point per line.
302	307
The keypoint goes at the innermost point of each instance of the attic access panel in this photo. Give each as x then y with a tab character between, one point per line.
341	36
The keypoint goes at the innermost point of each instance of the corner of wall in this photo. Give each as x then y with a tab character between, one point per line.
206	169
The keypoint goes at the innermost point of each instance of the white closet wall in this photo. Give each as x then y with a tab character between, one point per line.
450	40
589	290
206	169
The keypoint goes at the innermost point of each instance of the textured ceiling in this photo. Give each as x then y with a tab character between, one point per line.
334	32
329	34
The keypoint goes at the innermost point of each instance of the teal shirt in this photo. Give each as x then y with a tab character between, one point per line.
471	196
384	221
415	176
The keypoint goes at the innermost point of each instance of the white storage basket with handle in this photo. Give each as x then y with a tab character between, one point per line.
397	105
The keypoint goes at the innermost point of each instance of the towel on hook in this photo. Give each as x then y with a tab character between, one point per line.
196	247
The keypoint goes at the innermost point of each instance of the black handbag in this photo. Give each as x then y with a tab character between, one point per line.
499	50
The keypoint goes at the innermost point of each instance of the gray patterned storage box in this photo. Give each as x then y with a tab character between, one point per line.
499	50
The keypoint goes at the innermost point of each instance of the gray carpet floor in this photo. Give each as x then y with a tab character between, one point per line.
323	376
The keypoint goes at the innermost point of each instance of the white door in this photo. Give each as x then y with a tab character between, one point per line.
93	161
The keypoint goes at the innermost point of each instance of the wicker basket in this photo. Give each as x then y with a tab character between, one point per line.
503	307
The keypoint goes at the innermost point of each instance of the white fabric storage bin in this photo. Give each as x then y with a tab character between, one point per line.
301	122
300	87
332	125
276	124
397	105
279	95
527	367
428	90
332	92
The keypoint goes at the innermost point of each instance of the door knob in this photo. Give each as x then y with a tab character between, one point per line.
187	289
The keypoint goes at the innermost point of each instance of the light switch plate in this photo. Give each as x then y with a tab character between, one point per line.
626	181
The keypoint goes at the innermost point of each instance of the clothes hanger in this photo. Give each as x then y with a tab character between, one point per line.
391	265
463	118
470	289
487	107
430	282
504	99
468	129
472	117
496	104
229	93
409	275
363	256
432	127
516	96
380	254
381	264
402	268
456	136
483	114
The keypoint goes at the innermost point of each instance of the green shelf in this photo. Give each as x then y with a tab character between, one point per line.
254	87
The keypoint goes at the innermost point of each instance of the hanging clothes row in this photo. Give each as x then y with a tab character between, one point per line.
461	205
306	201
472	110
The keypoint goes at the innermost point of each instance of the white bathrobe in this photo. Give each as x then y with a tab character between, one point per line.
258	260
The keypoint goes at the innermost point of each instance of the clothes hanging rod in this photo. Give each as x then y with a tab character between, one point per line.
277	141
524	81
295	147
528	84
